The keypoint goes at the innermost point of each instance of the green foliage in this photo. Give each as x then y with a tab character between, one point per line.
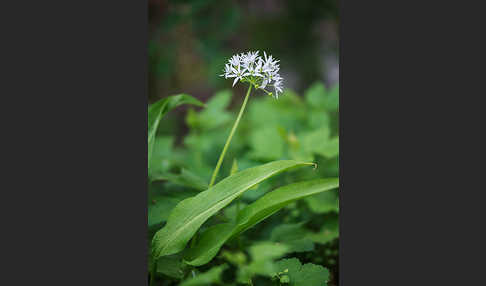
263	255
319	97
328	232
294	236
157	209
214	115
157	110
267	144
172	266
184	178
186	218
308	274
323	203
242	225
214	237
207	278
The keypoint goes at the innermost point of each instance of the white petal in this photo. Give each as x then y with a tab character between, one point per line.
234	82
264	83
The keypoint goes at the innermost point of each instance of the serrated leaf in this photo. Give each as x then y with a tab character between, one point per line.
209	277
157	110
308	274
262	263
186	218
214	237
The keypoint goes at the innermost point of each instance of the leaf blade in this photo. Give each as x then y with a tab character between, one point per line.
157	110
213	239
186	218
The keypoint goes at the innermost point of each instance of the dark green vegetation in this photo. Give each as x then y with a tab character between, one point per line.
190	40
271	218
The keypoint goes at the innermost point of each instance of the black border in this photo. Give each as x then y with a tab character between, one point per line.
408	126
76	75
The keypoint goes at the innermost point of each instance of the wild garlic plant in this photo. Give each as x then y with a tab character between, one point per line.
190	214
258	72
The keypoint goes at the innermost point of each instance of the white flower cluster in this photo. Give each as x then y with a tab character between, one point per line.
252	68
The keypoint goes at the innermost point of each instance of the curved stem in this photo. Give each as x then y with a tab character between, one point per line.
221	157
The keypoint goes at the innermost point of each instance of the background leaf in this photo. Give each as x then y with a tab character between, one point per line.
308	274
184	178
266	144
323	203
332	103
157	110
158	209
172	266
209	277
263	254
329	231
294	236
214	115
316	95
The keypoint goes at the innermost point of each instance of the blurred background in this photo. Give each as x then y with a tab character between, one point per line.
190	40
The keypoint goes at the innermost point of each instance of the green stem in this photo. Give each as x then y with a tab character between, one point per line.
221	157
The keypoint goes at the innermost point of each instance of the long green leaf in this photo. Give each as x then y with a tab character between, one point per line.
186	218
214	237
157	110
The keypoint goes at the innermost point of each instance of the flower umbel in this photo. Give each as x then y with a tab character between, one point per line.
259	72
